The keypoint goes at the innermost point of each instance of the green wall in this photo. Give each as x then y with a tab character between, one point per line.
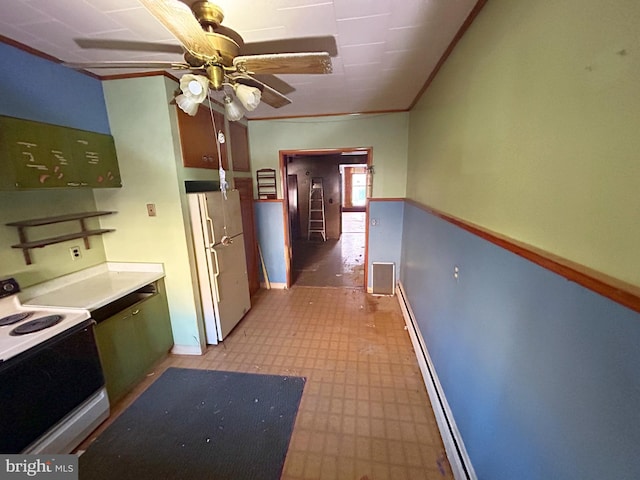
144	125
386	133
53	260
531	130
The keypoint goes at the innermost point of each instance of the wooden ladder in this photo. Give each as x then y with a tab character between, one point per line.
317	222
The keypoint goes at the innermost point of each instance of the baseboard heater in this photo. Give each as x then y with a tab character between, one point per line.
456	453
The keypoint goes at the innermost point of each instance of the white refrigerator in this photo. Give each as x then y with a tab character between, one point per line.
216	224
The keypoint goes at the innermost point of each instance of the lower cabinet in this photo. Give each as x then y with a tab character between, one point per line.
132	333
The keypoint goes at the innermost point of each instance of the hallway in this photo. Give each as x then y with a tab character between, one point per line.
365	413
334	263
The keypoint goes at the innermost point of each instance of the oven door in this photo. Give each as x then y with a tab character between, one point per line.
41	386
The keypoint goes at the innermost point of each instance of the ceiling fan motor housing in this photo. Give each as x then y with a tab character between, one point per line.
227	49
210	17
208	14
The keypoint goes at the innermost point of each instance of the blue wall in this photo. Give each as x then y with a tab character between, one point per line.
37	89
385	237
542	375
270	231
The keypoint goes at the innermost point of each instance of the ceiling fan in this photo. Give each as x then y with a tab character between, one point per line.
218	57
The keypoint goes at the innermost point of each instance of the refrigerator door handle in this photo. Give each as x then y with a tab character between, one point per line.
210	236
215	275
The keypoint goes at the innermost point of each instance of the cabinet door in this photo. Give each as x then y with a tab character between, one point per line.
32	154
154	326
64	171
239	147
94	157
198	139
132	341
119	346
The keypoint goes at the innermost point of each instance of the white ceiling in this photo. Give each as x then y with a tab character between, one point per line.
386	48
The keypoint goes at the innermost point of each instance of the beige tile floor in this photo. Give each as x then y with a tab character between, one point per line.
364	414
336	262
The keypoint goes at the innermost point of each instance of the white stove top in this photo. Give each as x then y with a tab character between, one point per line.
11	346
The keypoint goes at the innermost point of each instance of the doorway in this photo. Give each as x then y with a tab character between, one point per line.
340	260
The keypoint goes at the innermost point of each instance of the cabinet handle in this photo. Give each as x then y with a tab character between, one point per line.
135	312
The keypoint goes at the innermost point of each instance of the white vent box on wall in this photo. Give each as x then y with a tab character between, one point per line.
383	278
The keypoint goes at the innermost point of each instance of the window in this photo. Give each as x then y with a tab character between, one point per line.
359	189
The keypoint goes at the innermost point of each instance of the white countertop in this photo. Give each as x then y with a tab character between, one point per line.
93	287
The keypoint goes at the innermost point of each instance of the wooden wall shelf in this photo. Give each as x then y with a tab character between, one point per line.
84	233
266	181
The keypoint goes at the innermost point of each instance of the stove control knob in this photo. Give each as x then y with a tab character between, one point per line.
8	287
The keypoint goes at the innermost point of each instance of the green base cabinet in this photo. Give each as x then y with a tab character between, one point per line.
131	341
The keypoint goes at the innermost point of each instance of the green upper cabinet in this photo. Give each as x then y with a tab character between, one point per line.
95	157
40	155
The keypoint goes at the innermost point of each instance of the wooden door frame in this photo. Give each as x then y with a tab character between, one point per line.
285	201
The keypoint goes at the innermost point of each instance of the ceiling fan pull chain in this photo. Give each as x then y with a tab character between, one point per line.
223	176
213	122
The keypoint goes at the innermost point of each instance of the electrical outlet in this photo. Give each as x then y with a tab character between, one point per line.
151	209
76	253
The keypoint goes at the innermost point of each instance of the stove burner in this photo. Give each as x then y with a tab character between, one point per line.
36	325
15	318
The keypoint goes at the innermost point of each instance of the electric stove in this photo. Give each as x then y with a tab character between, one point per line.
50	368
22	328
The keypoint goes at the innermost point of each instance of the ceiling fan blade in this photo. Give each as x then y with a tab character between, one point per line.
156	65
284	63
177	17
292	45
275	82
269	95
127	45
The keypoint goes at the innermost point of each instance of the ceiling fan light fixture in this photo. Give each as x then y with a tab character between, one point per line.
187	105
248	96
194	87
232	110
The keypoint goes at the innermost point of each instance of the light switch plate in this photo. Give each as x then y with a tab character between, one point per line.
151	209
